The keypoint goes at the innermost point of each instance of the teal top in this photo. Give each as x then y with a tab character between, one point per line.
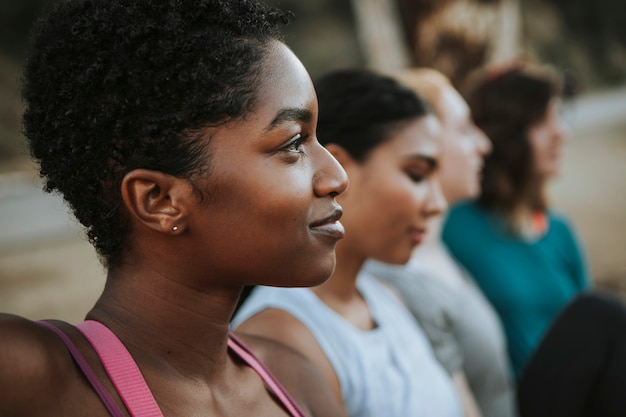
527	281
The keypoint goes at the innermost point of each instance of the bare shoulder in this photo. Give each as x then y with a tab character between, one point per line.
279	325
287	364
282	327
33	363
299	375
27	349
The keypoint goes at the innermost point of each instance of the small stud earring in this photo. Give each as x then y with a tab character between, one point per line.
175	228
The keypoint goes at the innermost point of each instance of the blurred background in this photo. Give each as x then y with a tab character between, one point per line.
47	268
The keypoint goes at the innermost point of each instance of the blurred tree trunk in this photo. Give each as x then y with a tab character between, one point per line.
381	35
508	41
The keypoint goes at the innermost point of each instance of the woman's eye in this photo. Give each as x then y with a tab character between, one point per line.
415	177
295	145
419	171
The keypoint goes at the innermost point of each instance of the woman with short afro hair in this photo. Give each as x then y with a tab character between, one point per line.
182	133
127	80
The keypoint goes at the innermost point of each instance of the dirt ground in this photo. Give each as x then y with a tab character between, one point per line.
62	278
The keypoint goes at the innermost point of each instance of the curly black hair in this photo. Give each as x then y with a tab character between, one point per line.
116	85
359	109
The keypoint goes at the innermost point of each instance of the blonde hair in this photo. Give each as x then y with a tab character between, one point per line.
426	82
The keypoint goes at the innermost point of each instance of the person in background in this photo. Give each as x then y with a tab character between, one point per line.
182	133
525	257
355	329
460	323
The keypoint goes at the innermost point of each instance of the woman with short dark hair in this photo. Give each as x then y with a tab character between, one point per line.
182	133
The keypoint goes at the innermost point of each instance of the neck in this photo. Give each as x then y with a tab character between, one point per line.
433	259
340	293
531	223
342	283
166	325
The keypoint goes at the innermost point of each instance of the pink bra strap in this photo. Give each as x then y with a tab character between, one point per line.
122	370
244	353
132	387
91	376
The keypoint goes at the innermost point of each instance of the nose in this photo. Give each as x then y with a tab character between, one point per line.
483	143
330	179
561	131
435	202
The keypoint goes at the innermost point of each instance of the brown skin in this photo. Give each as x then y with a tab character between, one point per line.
464	145
547	138
171	299
463	148
393	195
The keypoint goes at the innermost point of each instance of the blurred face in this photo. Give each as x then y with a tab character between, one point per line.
546	139
464	147
269	215
393	194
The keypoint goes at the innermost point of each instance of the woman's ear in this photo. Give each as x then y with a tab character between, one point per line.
157	200
341	155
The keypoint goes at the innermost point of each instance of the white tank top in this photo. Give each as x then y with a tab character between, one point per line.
389	371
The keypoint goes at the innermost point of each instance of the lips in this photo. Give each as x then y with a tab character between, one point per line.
417	235
330	225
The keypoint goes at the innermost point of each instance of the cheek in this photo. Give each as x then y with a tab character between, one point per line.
460	165
459	168
398	201
540	141
282	206
541	151
399	209
260	214
459	154
377	215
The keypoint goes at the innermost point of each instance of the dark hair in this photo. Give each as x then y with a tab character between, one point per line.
116	85
359	109
505	104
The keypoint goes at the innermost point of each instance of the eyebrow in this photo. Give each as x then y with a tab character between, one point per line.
290	114
432	162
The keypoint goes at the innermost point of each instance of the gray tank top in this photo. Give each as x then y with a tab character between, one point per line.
389	371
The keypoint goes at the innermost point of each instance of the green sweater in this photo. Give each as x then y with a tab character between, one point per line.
527	282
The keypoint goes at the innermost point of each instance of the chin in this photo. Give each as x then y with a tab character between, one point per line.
310	283
466	195
460	194
472	194
301	282
473	189
551	173
396	258
320	275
